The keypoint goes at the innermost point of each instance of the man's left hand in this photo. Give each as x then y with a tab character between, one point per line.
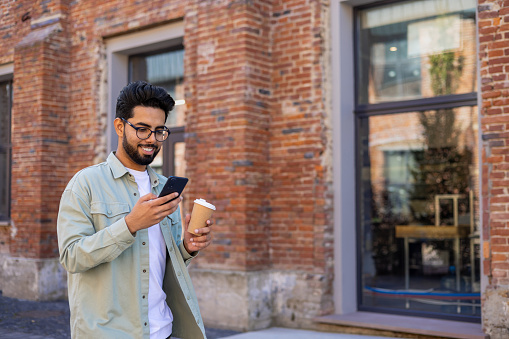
197	242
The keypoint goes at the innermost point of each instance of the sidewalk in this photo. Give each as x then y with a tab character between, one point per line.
50	320
287	333
271	333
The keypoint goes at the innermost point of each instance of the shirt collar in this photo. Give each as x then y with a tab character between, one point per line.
119	170
154	178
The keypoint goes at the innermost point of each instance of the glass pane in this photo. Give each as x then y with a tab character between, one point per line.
416	49
166	70
5	147
180	160
420	211
157	164
5	113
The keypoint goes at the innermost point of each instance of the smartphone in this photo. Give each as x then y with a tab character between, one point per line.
174	184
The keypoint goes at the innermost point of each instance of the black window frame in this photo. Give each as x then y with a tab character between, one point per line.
8	147
363	111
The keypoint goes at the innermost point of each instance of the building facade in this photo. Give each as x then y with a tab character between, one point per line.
355	150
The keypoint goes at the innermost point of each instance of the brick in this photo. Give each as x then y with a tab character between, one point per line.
488	14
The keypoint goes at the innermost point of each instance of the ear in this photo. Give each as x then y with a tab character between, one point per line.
119	127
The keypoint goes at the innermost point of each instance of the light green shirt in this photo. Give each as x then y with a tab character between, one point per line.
109	267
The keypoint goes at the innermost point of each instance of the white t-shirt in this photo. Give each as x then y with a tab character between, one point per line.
159	314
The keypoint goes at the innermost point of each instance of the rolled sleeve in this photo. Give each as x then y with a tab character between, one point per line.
186	255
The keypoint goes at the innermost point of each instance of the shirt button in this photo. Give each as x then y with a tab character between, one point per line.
144	271
179	274
145	324
171	249
143	297
134	194
143	243
188	298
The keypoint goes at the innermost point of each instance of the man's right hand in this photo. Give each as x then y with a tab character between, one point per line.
150	210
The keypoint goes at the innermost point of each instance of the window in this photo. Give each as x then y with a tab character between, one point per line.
406	48
417	146
166	69
119	51
5	149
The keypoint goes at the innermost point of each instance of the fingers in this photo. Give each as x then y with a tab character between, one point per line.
199	246
167	198
200	231
164	204
162	207
201	238
148	197
204	234
203	231
198	243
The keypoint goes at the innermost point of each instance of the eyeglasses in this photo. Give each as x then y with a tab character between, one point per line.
145	133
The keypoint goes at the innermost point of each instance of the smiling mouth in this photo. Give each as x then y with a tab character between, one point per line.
149	150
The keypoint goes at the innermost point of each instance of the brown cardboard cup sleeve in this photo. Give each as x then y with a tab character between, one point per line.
202	211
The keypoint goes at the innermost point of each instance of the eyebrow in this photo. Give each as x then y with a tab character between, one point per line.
142	124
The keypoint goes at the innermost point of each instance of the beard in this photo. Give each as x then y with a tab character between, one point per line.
140	159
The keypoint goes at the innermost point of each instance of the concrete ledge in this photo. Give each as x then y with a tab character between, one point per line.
249	301
406	324
32	279
238	301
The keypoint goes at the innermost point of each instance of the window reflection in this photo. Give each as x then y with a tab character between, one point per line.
180	160
5	149
416	49
419	211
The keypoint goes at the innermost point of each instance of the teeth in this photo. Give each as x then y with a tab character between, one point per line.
150	149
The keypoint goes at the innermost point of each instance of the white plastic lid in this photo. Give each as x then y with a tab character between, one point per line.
204	202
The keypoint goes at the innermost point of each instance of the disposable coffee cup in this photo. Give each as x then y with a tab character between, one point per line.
202	211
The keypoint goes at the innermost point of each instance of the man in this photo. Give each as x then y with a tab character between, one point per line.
121	244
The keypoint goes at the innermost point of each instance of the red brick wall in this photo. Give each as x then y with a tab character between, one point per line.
494	67
256	120
300	198
228	67
39	138
13	28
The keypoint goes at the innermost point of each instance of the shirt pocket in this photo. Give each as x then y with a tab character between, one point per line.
105	214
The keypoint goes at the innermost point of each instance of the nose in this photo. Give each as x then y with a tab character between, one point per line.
152	138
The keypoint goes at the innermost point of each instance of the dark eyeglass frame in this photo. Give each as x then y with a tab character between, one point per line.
156	132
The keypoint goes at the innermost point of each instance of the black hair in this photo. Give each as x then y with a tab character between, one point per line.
141	93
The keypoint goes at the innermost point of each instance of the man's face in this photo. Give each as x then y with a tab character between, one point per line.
143	152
